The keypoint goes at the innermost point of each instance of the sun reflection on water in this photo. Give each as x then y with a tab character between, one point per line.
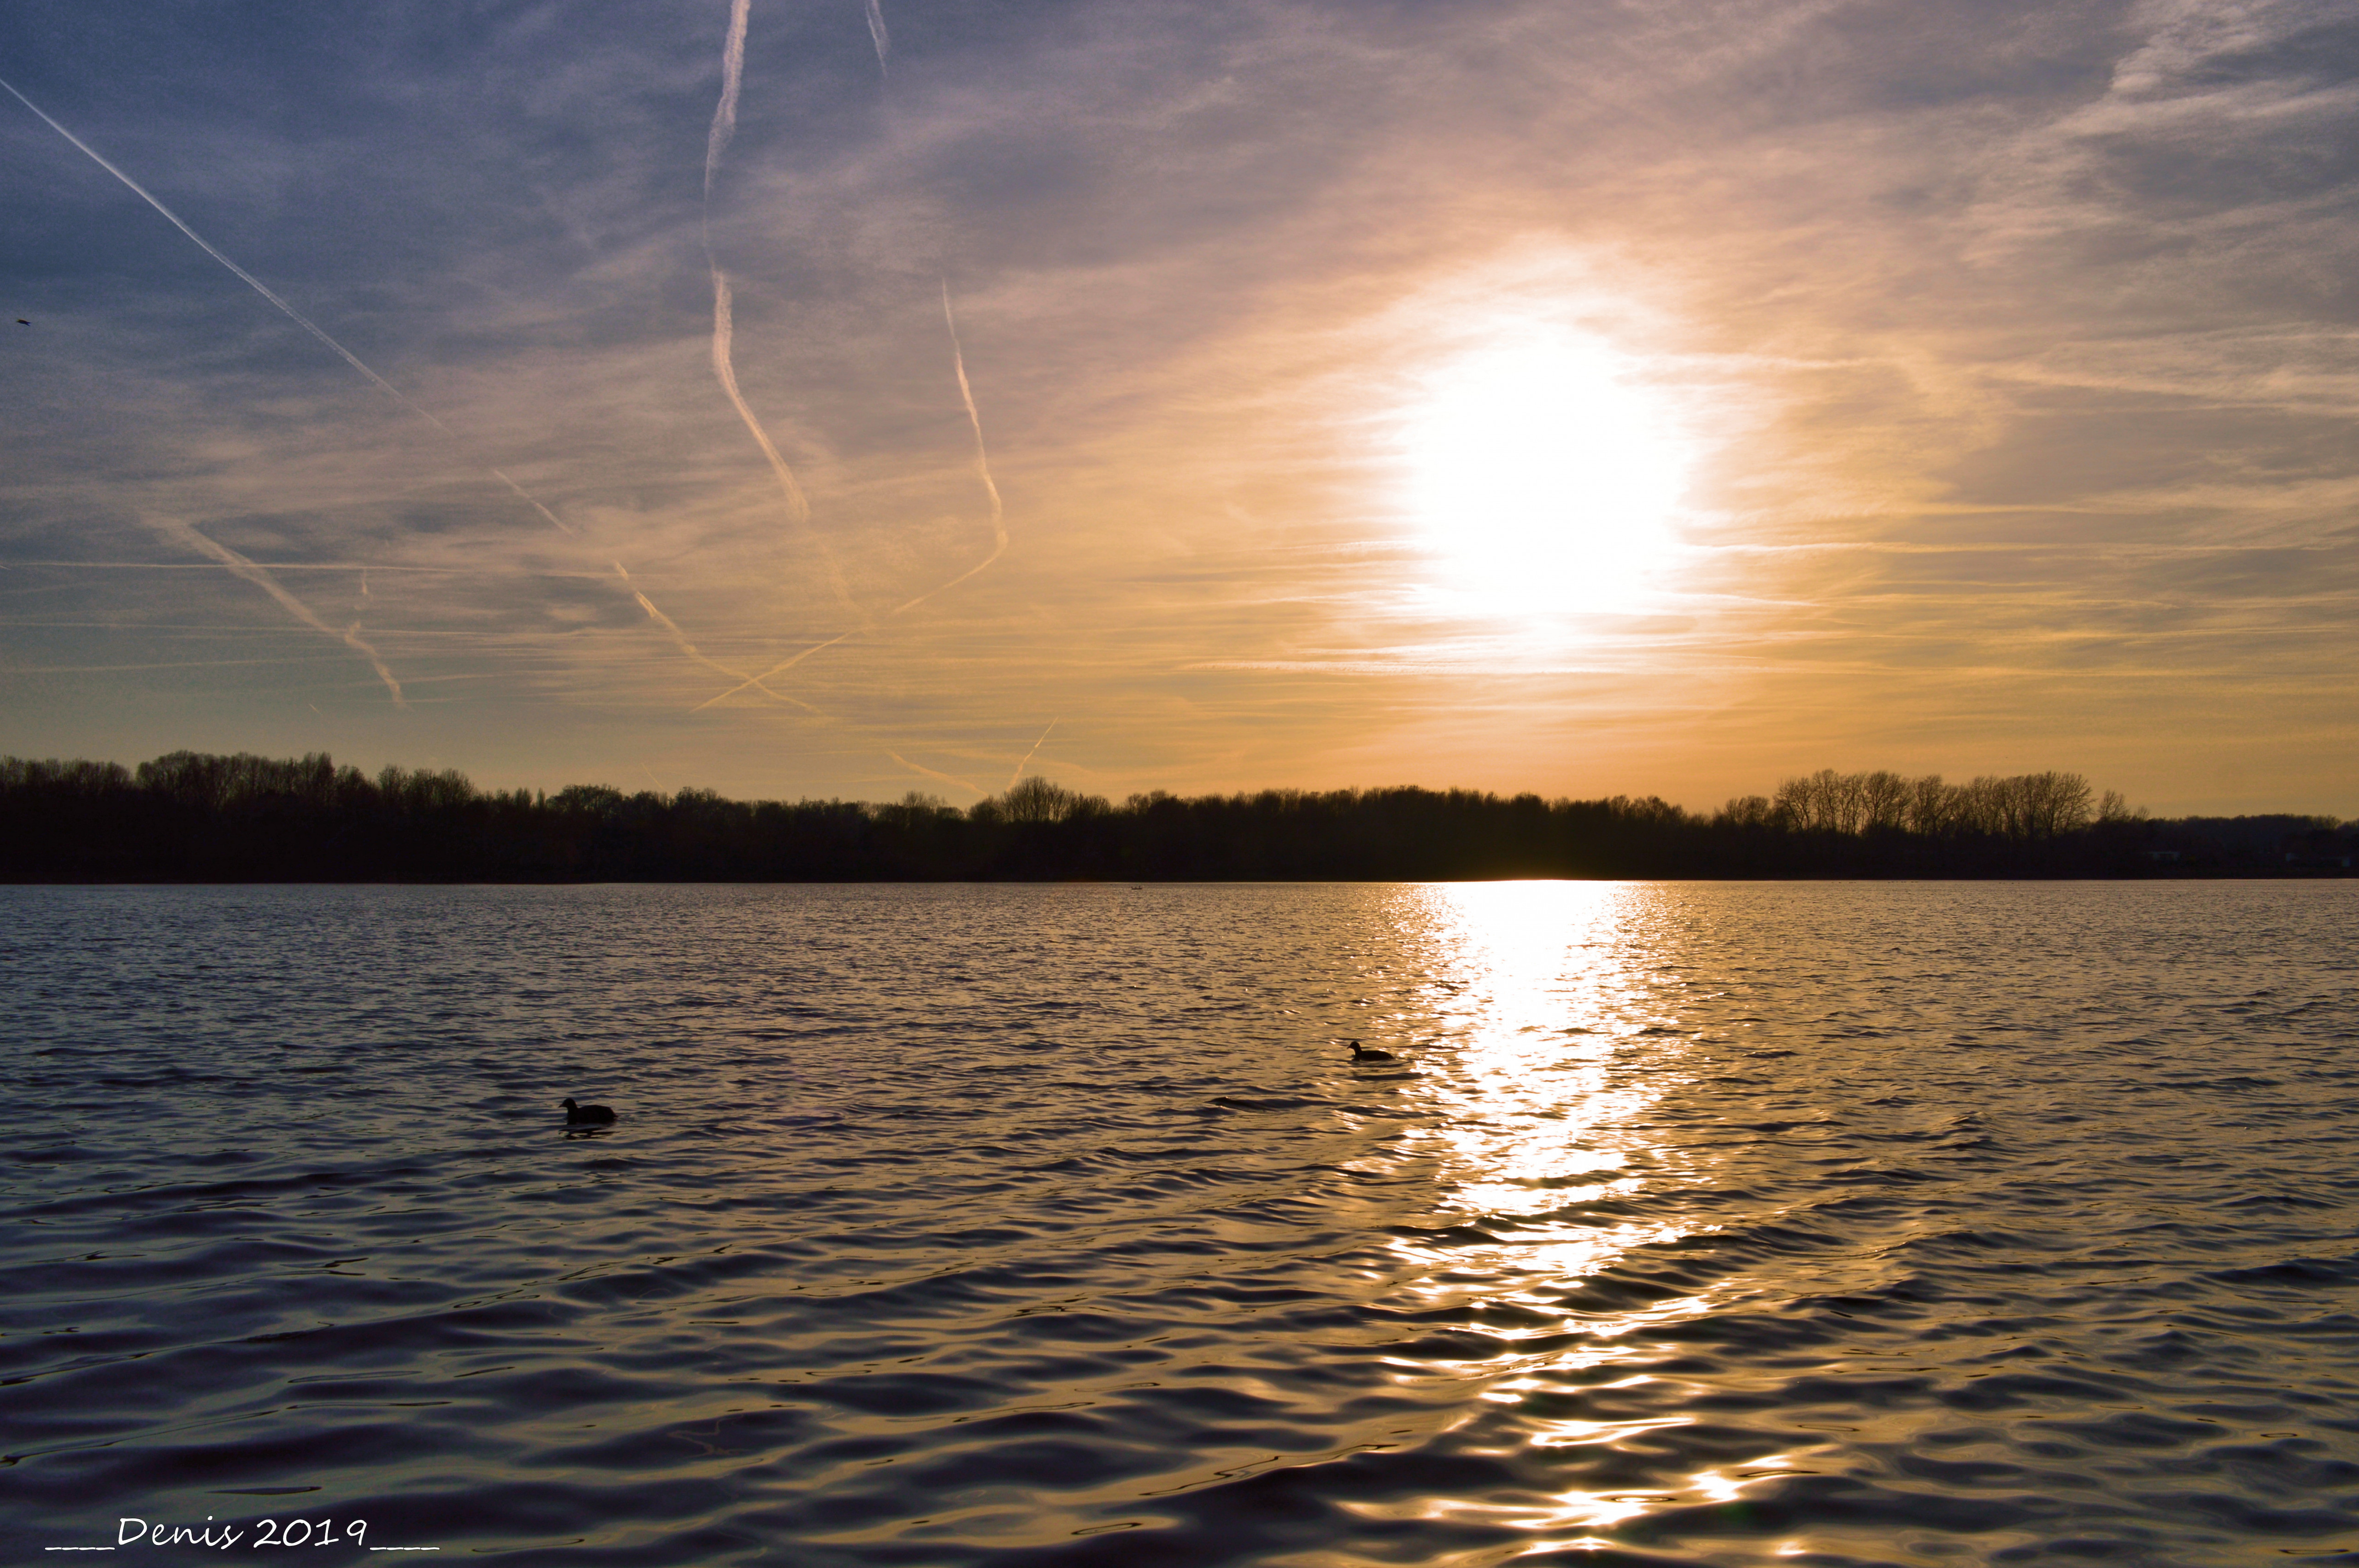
1540	1007
1551	1032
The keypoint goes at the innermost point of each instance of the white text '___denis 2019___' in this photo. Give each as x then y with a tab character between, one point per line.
265	1532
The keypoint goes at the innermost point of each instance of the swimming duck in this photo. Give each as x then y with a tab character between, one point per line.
577	1115
1363	1053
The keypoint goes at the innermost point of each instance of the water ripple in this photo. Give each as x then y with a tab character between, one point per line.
1696	1223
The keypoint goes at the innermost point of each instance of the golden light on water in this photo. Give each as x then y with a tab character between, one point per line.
1543	1003
1543	474
1533	1117
1561	1043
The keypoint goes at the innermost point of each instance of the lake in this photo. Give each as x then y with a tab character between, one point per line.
1696	1223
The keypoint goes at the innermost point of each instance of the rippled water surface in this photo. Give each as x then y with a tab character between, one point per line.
1699	1223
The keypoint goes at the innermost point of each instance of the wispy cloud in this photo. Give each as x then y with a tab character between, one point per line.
261	578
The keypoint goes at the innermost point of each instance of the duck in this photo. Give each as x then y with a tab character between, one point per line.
579	1115
1363	1053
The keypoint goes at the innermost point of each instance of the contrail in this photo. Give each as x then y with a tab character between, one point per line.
981	464
983	471
691	649
982	456
724	127
724	332
1027	756
248	567
946	778
732	72
798	505
521	492
172	527
264	289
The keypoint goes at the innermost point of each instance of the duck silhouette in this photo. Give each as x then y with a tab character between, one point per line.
587	1115
1363	1054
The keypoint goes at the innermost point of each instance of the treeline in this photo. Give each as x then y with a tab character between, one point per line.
2025	807
195	818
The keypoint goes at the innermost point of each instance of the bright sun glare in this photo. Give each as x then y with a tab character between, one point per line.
1542	476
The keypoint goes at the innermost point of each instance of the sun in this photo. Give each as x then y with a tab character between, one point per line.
1542	475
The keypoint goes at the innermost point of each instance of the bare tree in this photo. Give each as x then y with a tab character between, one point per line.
1884	801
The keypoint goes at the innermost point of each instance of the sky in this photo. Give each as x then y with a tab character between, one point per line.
828	398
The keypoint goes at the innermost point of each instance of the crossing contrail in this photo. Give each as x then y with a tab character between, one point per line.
173	528
292	314
781	667
247	568
991	489
679	638
725	125
1027	756
725	369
